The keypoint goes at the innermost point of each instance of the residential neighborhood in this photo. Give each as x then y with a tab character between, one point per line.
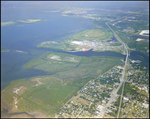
94	96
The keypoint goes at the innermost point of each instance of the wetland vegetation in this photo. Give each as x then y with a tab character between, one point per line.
68	72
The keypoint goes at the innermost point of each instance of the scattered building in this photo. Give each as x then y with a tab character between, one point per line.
145	105
145	33
125	99
120	67
100	107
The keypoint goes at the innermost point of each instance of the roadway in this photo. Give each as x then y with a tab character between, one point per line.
122	80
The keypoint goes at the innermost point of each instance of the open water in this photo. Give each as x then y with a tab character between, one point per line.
26	37
138	36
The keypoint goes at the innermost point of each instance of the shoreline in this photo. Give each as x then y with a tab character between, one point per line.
37	114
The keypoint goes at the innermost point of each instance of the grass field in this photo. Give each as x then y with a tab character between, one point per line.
47	97
64	67
85	35
90	35
49	93
51	44
94	34
33	63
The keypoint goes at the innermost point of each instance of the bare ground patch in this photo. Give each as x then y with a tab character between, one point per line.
38	82
80	100
38	114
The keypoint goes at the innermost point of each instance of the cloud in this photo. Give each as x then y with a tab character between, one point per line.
7	23
21	21
52	11
30	20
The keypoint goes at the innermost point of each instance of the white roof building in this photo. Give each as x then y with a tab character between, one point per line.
144	32
77	42
117	83
100	107
103	101
145	105
120	67
126	99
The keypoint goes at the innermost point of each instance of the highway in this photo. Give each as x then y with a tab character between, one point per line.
122	80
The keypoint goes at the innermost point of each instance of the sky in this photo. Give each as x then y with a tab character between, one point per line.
60	4
11	9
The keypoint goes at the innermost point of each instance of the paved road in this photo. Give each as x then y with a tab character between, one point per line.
122	80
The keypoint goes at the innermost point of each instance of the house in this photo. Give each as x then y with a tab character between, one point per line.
120	67
125	99
103	101
97	112
100	107
116	83
145	105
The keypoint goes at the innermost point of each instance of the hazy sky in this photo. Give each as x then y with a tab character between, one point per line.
12	9
59	4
